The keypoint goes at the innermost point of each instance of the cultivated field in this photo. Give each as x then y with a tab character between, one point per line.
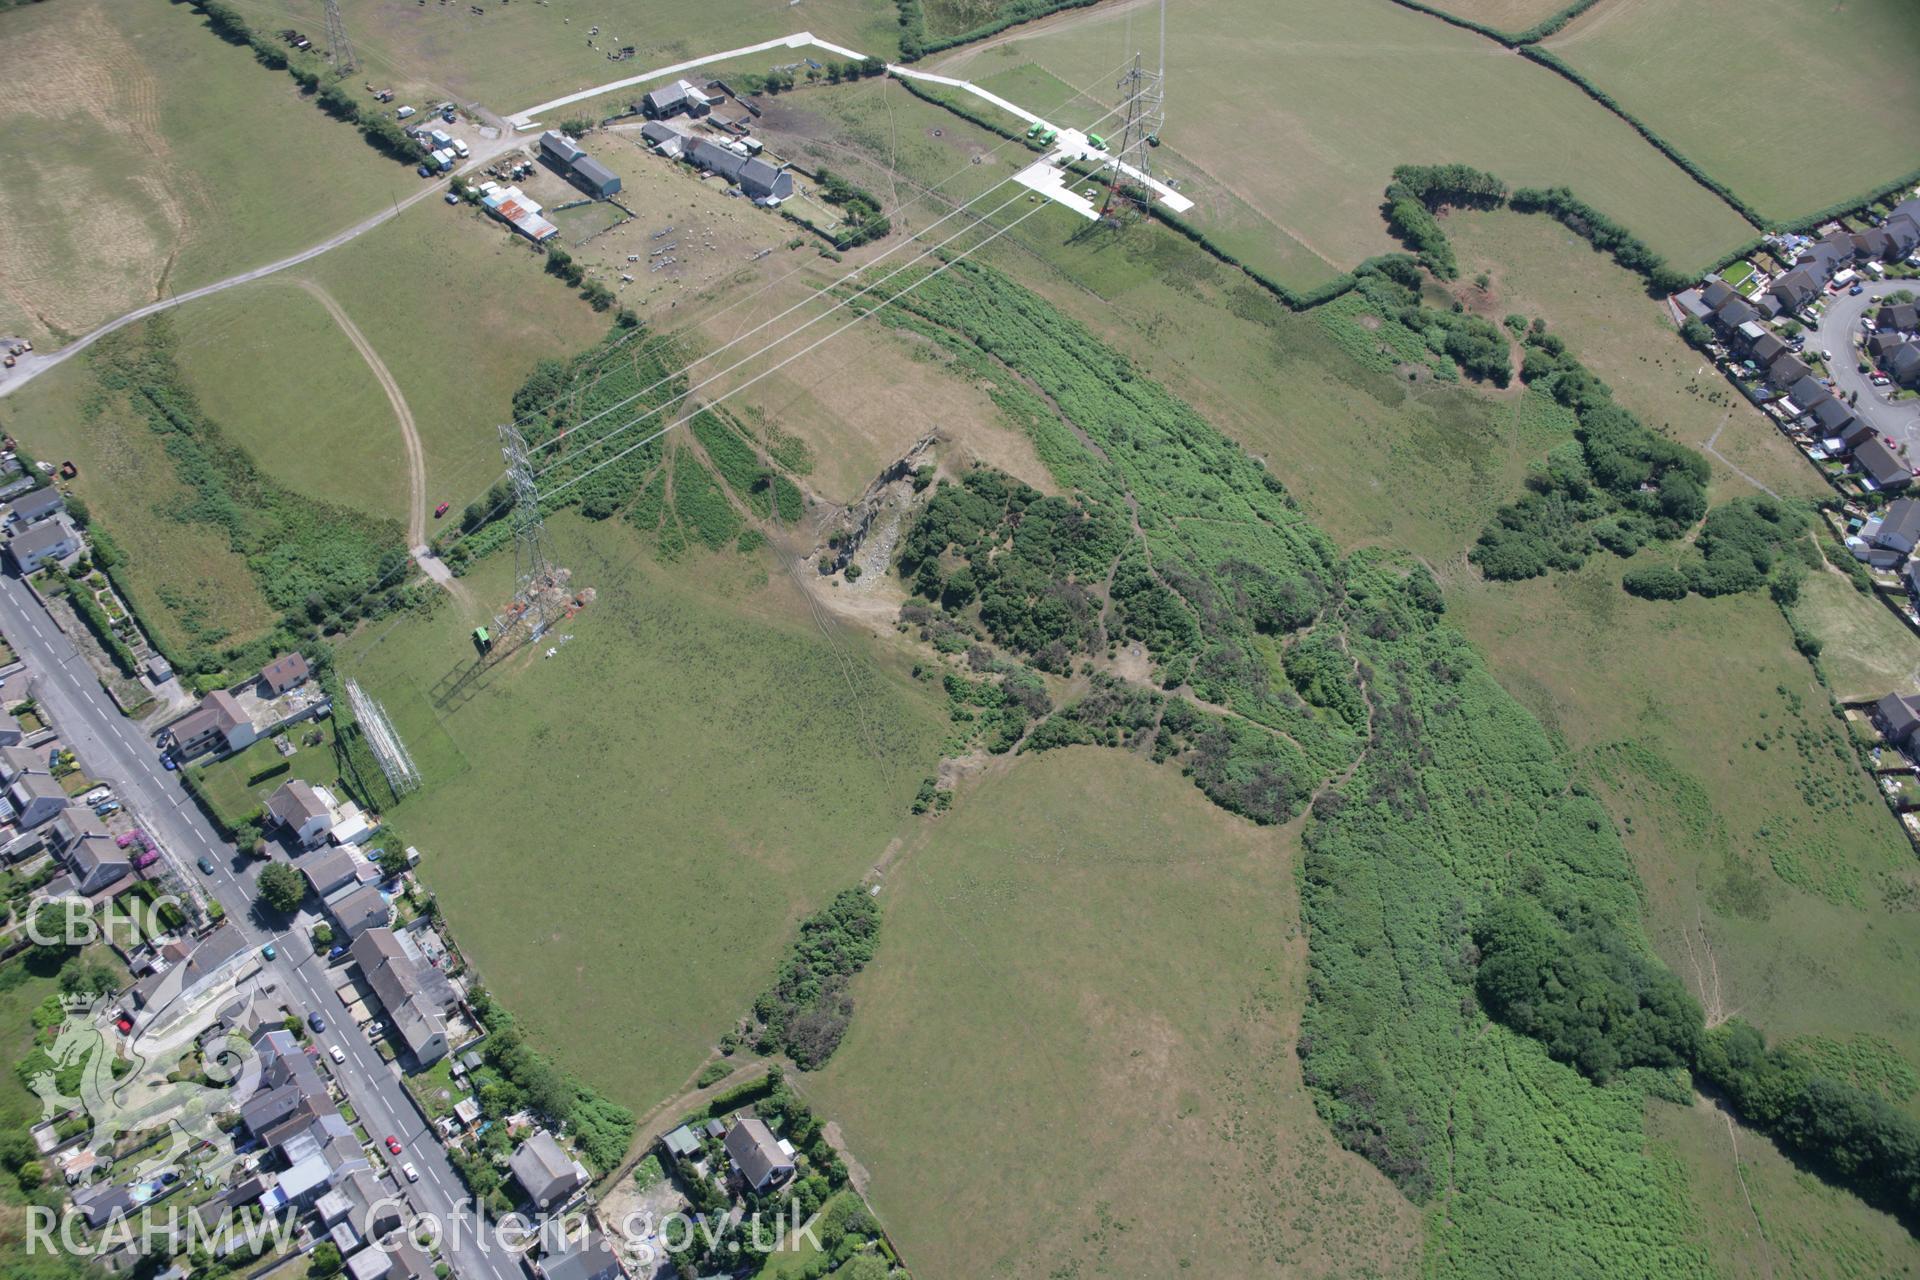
624	835
145	155
1075	1048
1302	111
518	54
1706	74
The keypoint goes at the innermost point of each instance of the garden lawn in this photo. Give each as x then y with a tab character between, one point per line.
625	835
1079	1029
1301	111
1867	651
144	155
1704	73
230	784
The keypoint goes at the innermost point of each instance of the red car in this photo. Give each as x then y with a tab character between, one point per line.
393	1144
441	510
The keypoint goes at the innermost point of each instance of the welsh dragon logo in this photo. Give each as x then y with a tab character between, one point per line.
157	1100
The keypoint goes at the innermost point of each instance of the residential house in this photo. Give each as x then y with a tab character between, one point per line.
1787	370
102	1202
415	996
1881	344
545	1171
1903	317
289	671
86	849
1767	348
1736	313
357	910
1903	364
758	1157
41	504
304	811
211	962
707	154
1855	433
36	798
1832	416
17	761
1902	229
338	867
1873	245
1886	471
217	724
1716	293
49	542
1898	716
1808	392
1796	288
587	1258
1899	526
678	98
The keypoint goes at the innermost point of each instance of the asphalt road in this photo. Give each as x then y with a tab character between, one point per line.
1839	326
116	751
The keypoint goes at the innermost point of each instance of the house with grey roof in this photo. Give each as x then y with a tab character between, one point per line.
715	158
1787	370
763	180
1796	288
588	1257
1832	417
1898	715
289	671
1808	392
86	849
218	724
545	1171
1903	364
679	98
1899	526
572	161
1901	316
40	504
1767	348
664	138
1885	470
302	811
36	798
333	869
758	1157
357	910
1716	293
49	542
415	996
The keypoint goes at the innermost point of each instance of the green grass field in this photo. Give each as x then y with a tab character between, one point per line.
623	836
1301	112
1867	651
1539	268
1074	1049
1705	73
144	155
519	54
270	365
185	579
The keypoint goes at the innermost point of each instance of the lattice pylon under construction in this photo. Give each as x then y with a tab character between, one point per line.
1145	98
337	43
388	751
536	583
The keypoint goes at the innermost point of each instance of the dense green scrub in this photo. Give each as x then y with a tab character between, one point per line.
1433	794
319	565
597	430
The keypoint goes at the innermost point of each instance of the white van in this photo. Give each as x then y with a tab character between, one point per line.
460	149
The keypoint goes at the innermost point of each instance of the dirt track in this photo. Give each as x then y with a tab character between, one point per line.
416	454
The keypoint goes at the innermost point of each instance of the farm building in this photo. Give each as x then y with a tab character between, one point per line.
566	155
678	98
664	138
511	206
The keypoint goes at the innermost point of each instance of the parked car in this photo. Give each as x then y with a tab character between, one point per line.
393	1144
413	1174
206	865
167	761
441	510
339	949
1882	380
316	1022
1856	291
424	171
96	795
107	807
337	1053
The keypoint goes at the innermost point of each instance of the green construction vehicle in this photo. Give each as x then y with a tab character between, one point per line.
481	640
1097	142
1046	139
1037	130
